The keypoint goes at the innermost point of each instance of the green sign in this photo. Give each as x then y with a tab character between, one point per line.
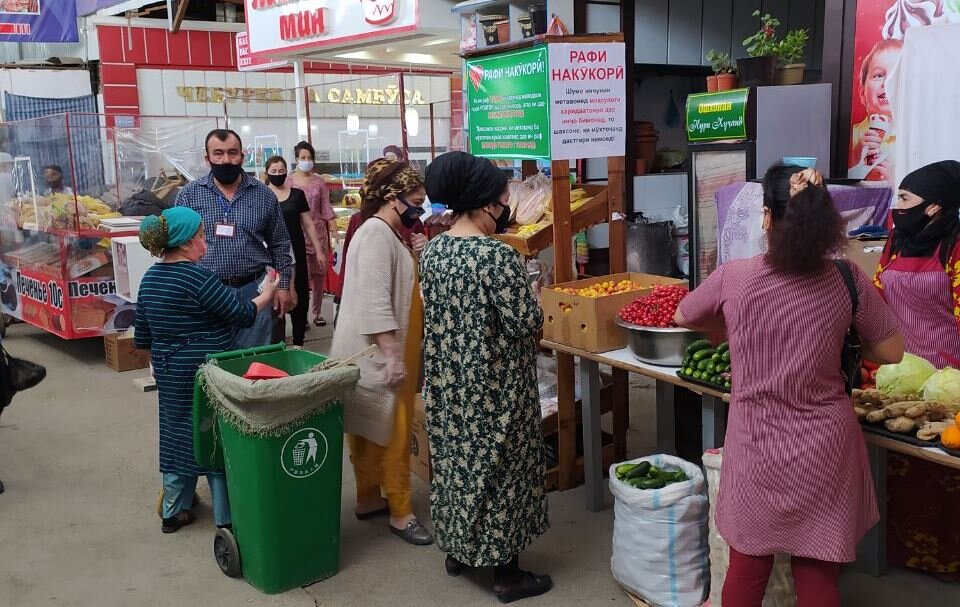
713	116
509	105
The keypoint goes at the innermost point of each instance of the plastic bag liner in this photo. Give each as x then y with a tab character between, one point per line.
660	537
779	587
273	407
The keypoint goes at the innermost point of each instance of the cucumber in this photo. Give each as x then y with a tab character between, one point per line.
715	357
723	347
697	375
712	367
653	483
702	365
700	344
725	356
640	470
703	354
689	371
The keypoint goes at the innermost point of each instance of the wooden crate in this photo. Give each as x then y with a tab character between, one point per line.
588	323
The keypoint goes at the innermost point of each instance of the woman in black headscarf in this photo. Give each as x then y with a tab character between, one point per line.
483	409
919	277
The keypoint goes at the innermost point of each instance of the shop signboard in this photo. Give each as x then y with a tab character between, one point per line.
248	62
716	116
508	104
588	100
38	21
295	26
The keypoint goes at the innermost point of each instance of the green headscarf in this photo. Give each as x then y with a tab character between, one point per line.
171	229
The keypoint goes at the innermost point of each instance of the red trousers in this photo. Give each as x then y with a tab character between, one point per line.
814	581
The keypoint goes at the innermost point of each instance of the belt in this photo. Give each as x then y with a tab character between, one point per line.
239	282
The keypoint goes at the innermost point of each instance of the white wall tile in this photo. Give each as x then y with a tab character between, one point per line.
236	108
279	110
215	80
173	103
257	109
150	89
195	78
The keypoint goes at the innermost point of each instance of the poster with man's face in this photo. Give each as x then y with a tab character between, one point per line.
881	25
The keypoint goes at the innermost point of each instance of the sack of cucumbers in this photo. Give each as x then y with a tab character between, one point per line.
707	364
644	475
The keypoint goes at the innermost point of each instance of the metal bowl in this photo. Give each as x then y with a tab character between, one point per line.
662	347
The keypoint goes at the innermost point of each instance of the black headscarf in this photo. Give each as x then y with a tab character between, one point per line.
937	183
464	182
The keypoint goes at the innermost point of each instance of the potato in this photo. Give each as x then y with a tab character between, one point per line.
902	425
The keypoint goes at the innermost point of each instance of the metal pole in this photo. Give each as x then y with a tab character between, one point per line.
303	119
403	118
433	138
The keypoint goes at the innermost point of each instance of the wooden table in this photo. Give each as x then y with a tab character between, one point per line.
713	403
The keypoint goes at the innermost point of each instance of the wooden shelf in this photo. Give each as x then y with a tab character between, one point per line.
551	423
594	212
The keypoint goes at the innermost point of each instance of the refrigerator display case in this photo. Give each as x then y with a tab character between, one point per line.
734	136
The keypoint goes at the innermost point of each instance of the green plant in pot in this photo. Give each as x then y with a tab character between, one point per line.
724	73
760	67
790	51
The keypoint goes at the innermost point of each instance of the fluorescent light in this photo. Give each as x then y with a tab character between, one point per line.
353	123
356	55
419	58
313	127
413	122
245	128
439	41
373	130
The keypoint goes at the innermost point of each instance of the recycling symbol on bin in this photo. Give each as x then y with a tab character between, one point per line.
304	452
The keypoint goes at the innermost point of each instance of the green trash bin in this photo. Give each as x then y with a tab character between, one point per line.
284	491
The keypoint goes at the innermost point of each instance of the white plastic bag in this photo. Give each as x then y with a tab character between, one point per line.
660	537
779	588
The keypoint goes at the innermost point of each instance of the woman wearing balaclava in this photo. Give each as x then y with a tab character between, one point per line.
919	276
381	305
184	313
488	501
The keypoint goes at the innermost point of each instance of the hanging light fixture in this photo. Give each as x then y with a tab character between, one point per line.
353	122
413	122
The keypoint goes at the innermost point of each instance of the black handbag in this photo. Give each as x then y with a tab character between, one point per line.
16	375
851	356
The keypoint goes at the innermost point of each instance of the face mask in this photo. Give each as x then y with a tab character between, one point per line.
910	222
55	185
410	214
502	221
277	180
226	172
305	165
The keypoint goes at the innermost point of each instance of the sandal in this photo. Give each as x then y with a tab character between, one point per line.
173	524
526	586
319	321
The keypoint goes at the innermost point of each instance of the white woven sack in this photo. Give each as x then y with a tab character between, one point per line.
660	537
779	588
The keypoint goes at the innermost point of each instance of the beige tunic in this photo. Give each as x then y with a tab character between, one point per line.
376	299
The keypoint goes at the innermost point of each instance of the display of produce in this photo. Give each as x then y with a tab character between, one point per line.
644	475
604	288
906	377
707	364
907	414
656	309
61	212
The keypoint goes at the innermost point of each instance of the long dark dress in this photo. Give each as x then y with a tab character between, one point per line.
487	498
184	313
293	207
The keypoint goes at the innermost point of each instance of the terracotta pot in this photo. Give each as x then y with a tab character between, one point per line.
757	71
790	74
726	82
503	31
640	167
711	84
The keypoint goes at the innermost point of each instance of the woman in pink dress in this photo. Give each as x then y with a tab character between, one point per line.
919	277
795	476
324	218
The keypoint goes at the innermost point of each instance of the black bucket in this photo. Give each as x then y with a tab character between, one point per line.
757	71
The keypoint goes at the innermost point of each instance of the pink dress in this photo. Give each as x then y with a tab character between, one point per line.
321	212
795	478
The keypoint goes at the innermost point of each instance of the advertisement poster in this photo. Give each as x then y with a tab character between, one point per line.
508	101
38	21
299	25
588	100
881	25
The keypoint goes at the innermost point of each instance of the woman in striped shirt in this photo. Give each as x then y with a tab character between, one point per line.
795	476
185	312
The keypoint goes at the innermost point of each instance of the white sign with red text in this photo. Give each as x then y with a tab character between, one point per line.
248	62
588	100
276	26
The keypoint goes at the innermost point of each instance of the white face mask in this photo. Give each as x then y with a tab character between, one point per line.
305	165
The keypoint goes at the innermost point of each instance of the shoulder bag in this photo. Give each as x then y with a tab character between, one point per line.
851	356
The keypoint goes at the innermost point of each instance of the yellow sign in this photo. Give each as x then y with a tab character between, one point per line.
352	96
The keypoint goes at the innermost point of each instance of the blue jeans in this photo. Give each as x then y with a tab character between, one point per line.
178	495
259	334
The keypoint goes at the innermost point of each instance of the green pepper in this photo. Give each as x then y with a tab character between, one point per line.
702	354
652	483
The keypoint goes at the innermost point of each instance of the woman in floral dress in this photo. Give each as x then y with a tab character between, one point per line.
488	500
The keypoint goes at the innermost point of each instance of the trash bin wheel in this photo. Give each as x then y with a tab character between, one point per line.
227	553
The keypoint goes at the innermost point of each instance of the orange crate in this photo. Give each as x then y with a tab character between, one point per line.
589	323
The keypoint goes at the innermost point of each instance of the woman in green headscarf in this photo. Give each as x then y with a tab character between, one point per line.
184	313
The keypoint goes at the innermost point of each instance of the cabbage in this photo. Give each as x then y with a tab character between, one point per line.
943	386
906	377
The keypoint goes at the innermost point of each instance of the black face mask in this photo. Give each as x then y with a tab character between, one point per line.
226	173
910	222
502	221
410	214
277	180
55	185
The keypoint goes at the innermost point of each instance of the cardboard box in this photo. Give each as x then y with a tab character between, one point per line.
121	355
419	445
865	253
589	323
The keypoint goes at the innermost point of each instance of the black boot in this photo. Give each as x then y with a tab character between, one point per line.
510	583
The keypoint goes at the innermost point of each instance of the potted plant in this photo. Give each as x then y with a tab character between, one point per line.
760	67
724	73
790	51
